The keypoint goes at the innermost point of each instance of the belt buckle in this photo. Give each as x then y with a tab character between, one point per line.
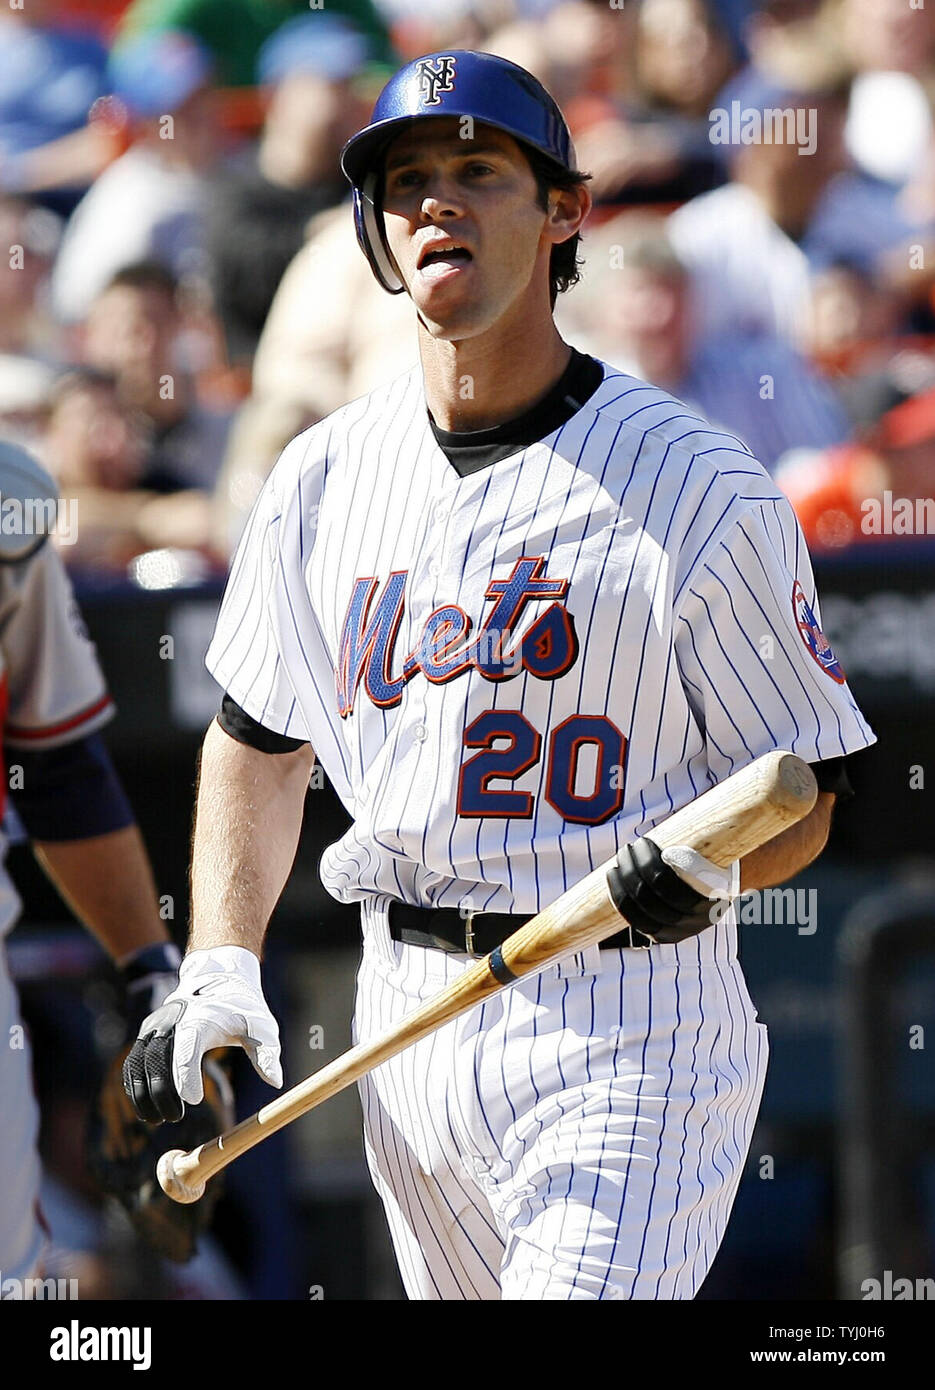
469	932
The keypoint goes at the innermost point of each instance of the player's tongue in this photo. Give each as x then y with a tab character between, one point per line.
441	262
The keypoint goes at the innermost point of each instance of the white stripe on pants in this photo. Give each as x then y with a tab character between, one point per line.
580	1135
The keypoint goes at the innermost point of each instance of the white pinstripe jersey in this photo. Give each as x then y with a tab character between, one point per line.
507	675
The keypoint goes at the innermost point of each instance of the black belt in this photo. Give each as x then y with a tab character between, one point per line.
473	934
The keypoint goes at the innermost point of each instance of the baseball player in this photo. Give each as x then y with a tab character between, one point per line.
53	704
521	607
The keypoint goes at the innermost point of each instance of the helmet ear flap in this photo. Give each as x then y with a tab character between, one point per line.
371	234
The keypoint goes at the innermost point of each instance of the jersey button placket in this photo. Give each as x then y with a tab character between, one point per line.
440	515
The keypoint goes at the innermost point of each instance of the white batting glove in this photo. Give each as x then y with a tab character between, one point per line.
218	1003
706	878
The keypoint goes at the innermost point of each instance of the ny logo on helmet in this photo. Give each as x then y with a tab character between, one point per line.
436	77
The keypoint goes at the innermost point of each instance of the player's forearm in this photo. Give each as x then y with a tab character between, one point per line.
108	883
786	855
247	824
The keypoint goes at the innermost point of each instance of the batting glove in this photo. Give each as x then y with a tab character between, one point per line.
218	1003
669	895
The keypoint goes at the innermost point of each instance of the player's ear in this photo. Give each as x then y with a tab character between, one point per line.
568	209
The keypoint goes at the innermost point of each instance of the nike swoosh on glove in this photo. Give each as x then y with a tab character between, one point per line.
218	1003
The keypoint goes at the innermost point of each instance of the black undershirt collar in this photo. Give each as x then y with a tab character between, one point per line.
470	450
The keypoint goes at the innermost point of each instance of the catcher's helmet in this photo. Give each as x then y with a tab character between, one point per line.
456	83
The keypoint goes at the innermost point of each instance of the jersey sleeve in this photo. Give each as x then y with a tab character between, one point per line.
245	655
757	670
56	691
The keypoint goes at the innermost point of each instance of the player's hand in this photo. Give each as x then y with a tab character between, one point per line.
669	895
218	1003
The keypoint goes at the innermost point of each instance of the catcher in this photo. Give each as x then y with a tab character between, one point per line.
53	703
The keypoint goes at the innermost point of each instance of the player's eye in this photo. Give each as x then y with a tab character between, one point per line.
477	170
405	178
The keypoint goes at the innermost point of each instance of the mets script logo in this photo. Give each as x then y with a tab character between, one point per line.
499	650
813	637
436	76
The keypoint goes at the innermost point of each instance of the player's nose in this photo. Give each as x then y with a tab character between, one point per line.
440	198
439	210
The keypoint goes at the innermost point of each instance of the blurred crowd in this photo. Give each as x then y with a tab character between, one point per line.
181	291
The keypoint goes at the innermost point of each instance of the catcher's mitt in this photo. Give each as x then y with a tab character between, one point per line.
123	1151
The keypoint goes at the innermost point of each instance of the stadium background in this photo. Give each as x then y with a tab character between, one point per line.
180	293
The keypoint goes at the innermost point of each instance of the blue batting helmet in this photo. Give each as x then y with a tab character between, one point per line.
457	83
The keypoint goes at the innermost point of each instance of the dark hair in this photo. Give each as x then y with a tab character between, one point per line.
563	264
145	275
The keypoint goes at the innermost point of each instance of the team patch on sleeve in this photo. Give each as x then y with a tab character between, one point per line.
813	637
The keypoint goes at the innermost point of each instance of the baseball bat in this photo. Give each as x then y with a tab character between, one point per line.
725	823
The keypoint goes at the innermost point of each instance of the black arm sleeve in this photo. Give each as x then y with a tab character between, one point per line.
239	724
831	776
